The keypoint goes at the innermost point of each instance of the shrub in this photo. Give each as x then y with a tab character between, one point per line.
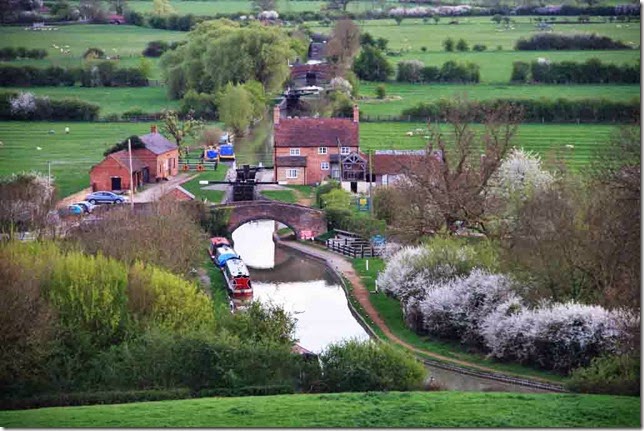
448	44
479	48
200	105
94	53
10	53
155	48
381	91
559	41
520	72
592	71
461	45
410	71
371	65
451	71
614	375
354	366
26	106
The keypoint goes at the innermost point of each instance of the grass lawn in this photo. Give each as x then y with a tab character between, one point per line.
407	95
548	140
218	291
71	155
112	100
287	196
391	312
349	410
213	196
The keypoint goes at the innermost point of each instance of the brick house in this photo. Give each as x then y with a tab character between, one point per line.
309	150
388	166
157	161
318	74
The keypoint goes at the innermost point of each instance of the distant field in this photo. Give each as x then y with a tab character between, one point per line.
112	100
123	40
407	95
445	409
547	140
232	6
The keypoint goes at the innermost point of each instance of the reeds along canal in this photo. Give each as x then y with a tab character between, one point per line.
312	293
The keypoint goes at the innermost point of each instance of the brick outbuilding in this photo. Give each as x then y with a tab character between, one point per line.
159	160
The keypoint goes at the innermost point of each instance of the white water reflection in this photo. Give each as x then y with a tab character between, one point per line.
253	241
321	310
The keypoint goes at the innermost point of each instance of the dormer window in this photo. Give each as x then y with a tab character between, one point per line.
295	152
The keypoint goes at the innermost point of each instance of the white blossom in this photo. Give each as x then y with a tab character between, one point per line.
521	173
23	104
340	84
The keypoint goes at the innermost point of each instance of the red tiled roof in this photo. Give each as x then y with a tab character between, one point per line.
123	159
394	163
316	132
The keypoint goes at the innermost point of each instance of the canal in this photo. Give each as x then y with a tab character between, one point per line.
308	290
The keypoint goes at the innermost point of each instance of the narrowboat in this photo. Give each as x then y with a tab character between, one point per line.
215	243
226	152
237	278
211	154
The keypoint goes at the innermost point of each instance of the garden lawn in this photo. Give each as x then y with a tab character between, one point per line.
405	95
548	140
349	410
287	196
71	156
390	310
212	196
112	100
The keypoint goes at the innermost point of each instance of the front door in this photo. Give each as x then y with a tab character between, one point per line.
311	78
354	187
146	175
116	183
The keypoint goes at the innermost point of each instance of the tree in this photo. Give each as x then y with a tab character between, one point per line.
497	19
27	199
210	136
436	18
381	91
162	8
236	108
343	46
399	19
461	45
448	44
262	5
338	4
180	129
451	182
371	65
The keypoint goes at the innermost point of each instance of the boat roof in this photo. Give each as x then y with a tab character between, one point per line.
217	240
237	267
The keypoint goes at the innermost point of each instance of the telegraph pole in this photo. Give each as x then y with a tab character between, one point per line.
48	173
370	178
129	149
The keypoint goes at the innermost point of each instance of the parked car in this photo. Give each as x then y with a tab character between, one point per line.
75	209
88	207
105	198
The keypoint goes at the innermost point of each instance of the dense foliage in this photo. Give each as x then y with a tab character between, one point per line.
94	74
9	53
26	106
592	71
371	65
559	41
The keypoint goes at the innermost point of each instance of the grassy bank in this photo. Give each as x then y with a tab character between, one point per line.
395	409
212	196
548	140
287	196
391	312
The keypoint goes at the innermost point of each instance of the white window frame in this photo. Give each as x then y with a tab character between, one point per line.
289	173
325	166
294	152
345	151
322	150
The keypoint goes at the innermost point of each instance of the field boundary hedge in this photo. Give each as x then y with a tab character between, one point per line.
592	71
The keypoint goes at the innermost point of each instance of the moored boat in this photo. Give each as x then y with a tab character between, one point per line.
237	278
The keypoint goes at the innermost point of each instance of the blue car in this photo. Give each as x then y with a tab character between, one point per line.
105	198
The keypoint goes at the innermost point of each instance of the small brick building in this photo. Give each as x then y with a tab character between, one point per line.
309	150
157	161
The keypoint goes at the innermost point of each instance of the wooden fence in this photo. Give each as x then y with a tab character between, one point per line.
351	249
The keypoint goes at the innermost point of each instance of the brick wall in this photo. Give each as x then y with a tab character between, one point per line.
314	172
158	164
100	176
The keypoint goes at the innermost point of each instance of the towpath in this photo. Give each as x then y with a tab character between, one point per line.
361	293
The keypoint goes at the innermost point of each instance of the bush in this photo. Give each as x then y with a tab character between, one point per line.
614	375
200	105
10	53
371	65
94	53
461	45
381	91
26	106
520	72
559	41
479	48
592	71
354	366
410	71
155	48
448	44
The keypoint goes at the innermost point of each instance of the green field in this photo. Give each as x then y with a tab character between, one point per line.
112	100
548	140
232	6
349	410
404	95
212	196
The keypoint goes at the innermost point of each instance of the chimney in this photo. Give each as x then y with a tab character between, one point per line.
356	114
153	128
276	114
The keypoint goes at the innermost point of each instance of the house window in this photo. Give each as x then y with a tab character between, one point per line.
291	173
321	150
324	166
345	150
295	152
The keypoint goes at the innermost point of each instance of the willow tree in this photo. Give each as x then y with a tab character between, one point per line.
221	52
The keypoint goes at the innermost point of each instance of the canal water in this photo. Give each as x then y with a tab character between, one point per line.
313	295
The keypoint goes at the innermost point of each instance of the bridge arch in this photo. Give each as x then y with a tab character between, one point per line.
297	217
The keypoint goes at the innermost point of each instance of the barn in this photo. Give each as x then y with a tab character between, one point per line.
157	161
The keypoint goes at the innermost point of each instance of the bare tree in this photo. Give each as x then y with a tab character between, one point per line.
453	178
343	46
27	200
181	129
262	5
338	4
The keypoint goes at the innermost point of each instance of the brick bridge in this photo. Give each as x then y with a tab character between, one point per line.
297	217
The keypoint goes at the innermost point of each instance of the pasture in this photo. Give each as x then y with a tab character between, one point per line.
403	95
549	141
233	6
349	410
112	100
